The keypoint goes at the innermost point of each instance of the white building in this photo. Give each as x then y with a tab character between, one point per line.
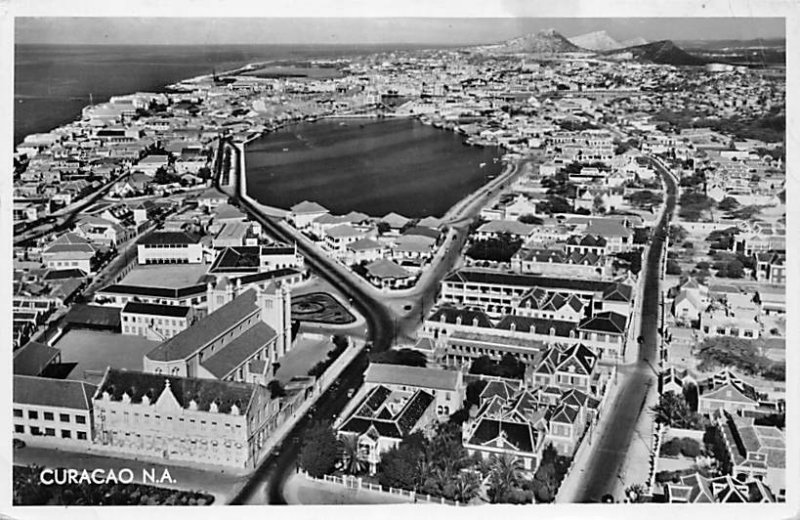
155	321
170	247
52	411
183	420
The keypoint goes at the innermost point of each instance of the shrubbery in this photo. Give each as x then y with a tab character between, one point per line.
29	491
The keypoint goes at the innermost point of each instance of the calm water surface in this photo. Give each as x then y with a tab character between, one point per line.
373	166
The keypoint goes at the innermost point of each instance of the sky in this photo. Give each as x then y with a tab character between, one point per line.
444	31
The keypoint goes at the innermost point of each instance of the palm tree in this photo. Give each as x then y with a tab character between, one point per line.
503	476
466	487
351	459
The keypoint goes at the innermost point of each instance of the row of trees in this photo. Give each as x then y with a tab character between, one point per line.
743	354
509	366
340	344
499	249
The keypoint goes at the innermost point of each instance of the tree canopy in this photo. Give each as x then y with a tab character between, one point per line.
320	450
403	356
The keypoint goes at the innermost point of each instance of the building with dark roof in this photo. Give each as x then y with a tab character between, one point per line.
447	386
155	321
54	411
183	420
33	358
566	367
501	428
170	247
753	451
383	417
243	325
500	293
188	296
697	489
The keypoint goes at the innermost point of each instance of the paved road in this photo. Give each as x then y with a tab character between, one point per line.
611	445
63	218
267	480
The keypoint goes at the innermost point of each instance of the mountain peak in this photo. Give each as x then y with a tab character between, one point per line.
663	51
547	41
596	41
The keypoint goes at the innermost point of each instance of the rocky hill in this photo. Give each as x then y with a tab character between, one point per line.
596	41
543	42
663	52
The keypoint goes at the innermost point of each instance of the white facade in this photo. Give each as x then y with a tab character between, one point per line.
170	253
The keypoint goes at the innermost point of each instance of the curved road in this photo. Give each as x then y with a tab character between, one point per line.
610	448
267	480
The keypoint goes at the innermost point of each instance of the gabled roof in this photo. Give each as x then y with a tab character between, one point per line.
204	392
387	269
364	244
395	220
386	374
234	354
307	207
56	393
515	437
189	341
343	230
33	358
607	322
375	414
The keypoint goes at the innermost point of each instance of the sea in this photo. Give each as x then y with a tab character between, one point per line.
52	83
370	166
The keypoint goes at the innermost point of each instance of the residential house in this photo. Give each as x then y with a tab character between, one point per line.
384	417
755	452
301	215
726	391
70	250
446	386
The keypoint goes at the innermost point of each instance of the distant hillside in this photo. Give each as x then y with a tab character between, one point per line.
596	41
634	42
664	52
543	42
715	45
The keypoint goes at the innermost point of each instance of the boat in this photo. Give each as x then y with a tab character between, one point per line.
483	164
285	149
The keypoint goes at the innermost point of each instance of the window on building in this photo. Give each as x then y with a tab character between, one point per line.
33	414
50	431
17	412
18	428
66	434
63	417
82	436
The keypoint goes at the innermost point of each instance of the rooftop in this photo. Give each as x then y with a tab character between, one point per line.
206	330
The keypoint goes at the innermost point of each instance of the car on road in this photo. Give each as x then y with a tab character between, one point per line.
350	393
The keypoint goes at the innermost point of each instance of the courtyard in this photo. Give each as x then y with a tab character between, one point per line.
309	350
92	351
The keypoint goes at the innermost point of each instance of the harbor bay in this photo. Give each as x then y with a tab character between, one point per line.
372	166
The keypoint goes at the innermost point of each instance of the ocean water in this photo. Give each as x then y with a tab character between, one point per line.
52	83
373	166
